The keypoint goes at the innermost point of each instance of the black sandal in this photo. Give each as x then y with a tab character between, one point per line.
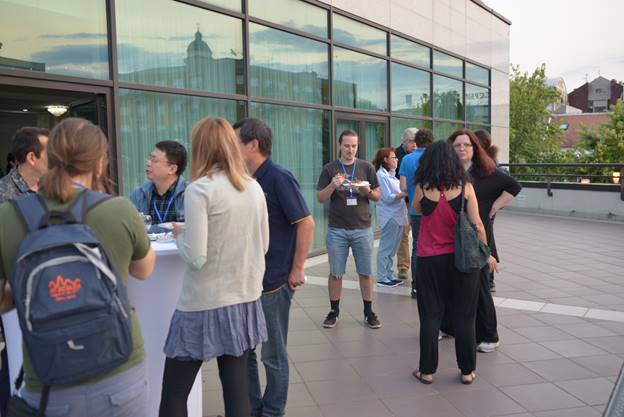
419	376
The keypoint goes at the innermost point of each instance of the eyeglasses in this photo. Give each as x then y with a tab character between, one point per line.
462	145
153	160
393	157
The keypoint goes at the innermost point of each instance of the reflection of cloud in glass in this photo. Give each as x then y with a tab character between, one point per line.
72	54
359	80
79	35
292	13
373	44
410	51
359	34
287	66
149	59
267	43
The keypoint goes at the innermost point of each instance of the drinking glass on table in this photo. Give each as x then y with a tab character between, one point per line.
147	221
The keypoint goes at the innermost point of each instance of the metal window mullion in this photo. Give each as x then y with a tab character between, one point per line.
333	142
115	112
211	7
247	58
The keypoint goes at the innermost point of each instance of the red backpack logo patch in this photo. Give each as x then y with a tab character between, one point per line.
64	289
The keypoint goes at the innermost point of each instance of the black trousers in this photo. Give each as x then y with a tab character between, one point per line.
486	322
486	311
178	380
439	285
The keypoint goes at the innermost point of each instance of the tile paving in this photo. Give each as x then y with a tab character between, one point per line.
559	356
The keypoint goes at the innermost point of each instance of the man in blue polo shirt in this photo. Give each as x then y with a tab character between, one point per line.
409	166
291	229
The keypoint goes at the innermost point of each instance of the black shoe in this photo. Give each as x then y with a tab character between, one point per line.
372	321
331	319
413	293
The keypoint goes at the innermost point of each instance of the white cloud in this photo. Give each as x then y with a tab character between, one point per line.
575	38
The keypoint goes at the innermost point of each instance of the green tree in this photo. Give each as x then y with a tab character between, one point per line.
531	137
607	144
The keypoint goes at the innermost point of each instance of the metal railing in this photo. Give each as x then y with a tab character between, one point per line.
596	177
615	406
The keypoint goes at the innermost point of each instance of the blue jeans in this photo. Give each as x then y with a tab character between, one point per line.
415	223
122	394
338	243
276	306
389	243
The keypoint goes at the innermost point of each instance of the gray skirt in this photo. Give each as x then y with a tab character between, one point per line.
204	335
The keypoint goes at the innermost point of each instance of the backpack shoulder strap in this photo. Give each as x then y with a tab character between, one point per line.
31	210
87	200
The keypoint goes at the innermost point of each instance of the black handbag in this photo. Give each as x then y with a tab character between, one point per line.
17	407
471	253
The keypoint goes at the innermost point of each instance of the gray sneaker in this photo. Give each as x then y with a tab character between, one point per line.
330	320
372	321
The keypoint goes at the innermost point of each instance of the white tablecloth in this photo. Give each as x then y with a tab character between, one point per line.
155	300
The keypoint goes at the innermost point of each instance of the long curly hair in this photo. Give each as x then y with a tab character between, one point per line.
440	168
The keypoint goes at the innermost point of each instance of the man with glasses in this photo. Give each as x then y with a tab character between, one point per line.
162	196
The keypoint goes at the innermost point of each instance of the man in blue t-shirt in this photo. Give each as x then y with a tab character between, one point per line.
291	230
407	171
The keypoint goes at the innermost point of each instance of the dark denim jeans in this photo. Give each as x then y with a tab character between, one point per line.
415	223
276	306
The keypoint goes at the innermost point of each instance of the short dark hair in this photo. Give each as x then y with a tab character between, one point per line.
346	132
26	140
252	128
175	153
424	137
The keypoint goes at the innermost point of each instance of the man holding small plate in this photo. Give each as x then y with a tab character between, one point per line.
349	184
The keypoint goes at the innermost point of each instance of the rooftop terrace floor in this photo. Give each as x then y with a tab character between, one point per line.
560	297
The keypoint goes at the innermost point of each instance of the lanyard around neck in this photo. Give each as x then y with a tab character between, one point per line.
352	176
157	212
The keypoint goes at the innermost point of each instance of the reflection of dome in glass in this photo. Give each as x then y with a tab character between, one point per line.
198	47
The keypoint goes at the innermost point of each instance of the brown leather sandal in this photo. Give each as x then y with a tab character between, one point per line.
468	378
421	377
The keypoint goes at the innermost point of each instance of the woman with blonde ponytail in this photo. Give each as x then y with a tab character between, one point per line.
219	313
77	160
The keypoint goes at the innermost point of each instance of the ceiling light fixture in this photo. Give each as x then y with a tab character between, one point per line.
24	109
57	110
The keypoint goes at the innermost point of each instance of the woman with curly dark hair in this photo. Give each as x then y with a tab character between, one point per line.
494	189
440	180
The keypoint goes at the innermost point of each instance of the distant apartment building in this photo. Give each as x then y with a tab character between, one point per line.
597	95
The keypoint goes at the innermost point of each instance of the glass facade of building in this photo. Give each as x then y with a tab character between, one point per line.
307	69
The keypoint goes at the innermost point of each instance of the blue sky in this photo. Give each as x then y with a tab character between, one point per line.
575	38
